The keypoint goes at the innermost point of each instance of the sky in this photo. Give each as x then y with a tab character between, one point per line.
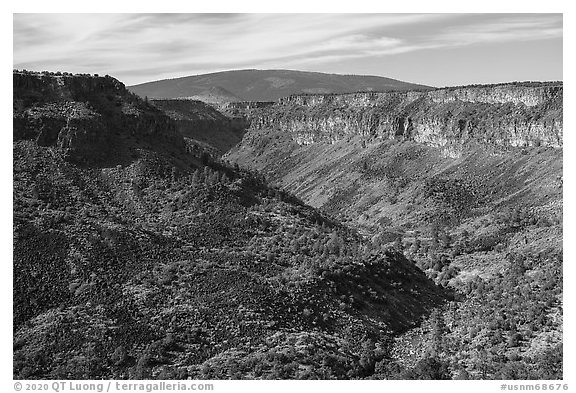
432	49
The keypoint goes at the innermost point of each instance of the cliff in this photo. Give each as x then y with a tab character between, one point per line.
505	115
203	124
370	156
85	115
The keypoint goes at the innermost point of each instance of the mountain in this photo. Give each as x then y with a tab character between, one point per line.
138	255
265	85
467	181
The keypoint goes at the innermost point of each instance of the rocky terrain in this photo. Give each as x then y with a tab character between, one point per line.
138	254
466	181
92	119
400	235
264	85
509	115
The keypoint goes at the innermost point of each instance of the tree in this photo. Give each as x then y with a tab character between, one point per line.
439	329
367	357
174	174
513	338
334	243
416	246
398	244
207	172
35	192
197	178
429	368
214	178
434	235
445	239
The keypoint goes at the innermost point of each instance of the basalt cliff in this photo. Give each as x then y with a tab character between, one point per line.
516	115
86	116
335	151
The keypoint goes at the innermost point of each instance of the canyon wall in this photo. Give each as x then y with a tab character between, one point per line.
512	115
85	115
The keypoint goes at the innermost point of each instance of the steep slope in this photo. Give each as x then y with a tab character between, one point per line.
151	261
506	115
204	125
467	182
378	148
92	119
267	85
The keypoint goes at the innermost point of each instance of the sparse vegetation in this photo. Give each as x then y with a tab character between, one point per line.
173	264
162	260
464	221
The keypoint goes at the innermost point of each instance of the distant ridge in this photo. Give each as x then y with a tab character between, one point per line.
215	95
265	85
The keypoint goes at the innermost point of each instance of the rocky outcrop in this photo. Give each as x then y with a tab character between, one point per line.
500	94
514	115
85	115
245	105
34	87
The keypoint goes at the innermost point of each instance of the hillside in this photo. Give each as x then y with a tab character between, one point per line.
467	182
93	120
264	85
138	255
424	239
203	125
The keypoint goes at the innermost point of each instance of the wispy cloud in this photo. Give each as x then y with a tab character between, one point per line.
140	47
503	29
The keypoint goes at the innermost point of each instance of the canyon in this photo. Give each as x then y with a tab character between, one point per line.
405	234
477	166
355	153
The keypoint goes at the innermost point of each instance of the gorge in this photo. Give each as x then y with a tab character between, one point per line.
413	234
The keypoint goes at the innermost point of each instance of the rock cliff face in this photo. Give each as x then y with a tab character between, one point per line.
370	156
246	105
85	115
500	94
504	115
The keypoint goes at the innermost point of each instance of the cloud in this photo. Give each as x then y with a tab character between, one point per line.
504	29
140	47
